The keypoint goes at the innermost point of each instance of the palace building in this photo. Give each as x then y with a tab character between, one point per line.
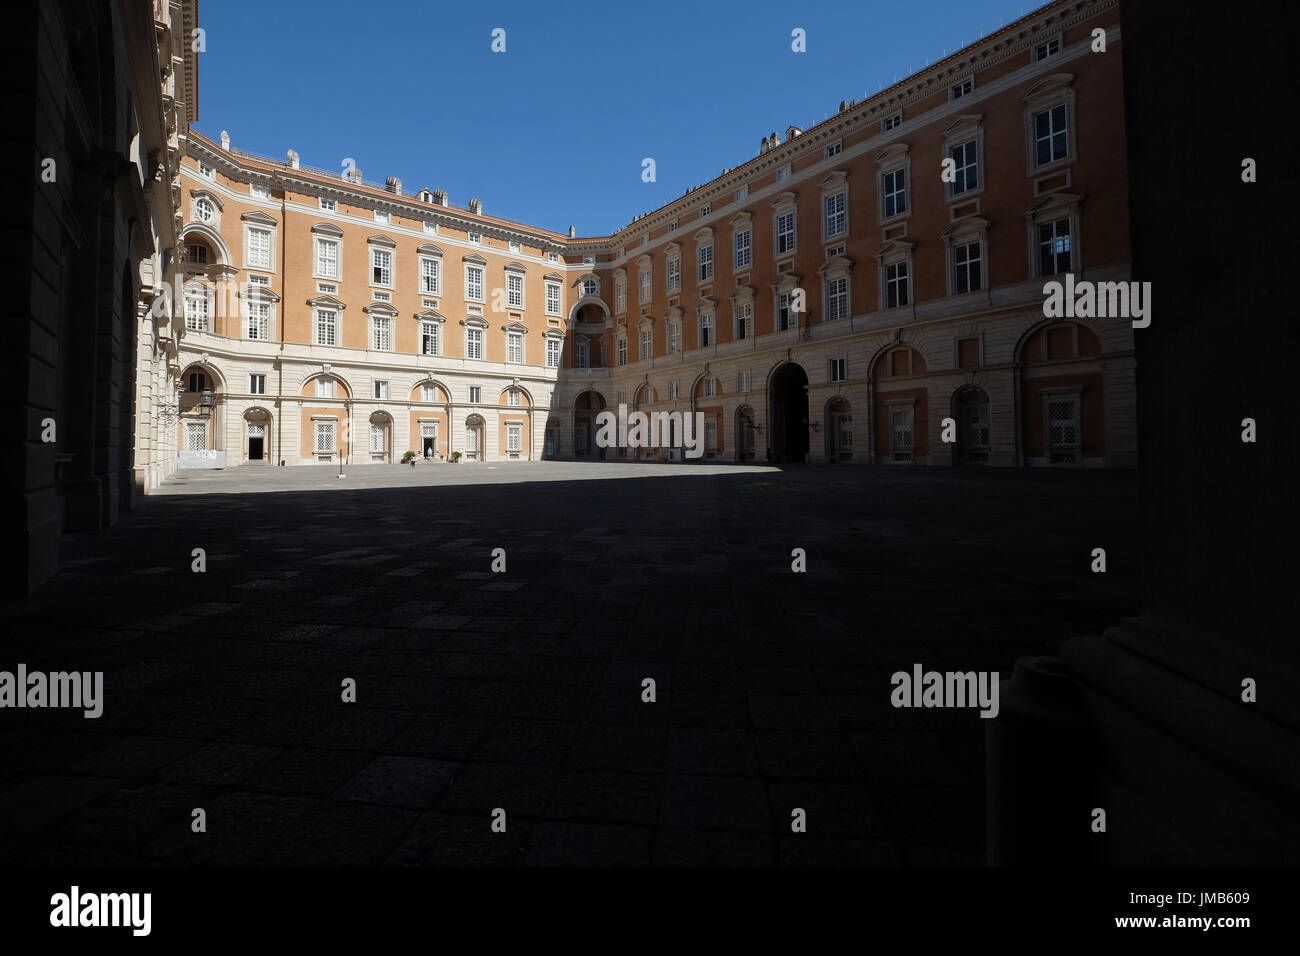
835	298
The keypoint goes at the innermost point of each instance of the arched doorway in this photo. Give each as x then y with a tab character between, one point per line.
839	430
201	409
381	437
474	431
745	434
552	446
789	414
257	436
970	409
589	404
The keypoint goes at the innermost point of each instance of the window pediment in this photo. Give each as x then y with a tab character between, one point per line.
966	224
515	327
430	315
382	240
966	123
835	179
783	199
327	229
786	282
197	194
1053	200
474	322
740	220
380	308
474	259
743	293
429	249
1049	85
515	267
258	217
644	262
554	277
896	249
325	302
672	249
258	293
894	154
836	265
704	235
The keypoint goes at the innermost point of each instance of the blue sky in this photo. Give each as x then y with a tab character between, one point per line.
553	131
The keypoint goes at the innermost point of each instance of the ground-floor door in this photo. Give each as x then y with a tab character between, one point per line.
256	441
429	440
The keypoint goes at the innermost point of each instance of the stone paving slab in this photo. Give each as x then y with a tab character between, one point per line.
523	691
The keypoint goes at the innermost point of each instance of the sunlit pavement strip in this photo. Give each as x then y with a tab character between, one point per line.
523	690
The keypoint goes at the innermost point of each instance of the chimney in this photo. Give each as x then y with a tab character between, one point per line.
792	132
293	159
476	207
352	174
393	185
225	140
573	232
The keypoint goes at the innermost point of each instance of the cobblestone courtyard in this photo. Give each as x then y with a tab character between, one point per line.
523	690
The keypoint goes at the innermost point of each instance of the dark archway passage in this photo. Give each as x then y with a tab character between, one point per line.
789	417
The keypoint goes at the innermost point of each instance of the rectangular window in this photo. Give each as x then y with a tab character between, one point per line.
710	387
326	258
326	327
514	347
324	438
894	191
514	246
381	267
259	248
377	439
620	355
837	369
710	438
381	390
196	254
474	343
646	343
784	320
552	298
836	215
381	336
383	296
674	338
327	287
672	226
430	276
553	353
1050	137
706	329
196	313
324	388
588	260
552	256
837	298
514	290
706	262
474	283
834	149
744	248
620	296
706	209
428	338
966	167
785	233
833	251
514	437
1063	423
1054	247
901	422
890	122
742	193
476	394
206	171
196	436
259	280
646	286
259	191
257	384
428	393
962	89
1044	50
742	381
895	285
674	272
475	237
583	353
744	320
966	262
783	173
382	216
431	227
329	205
514	397
259	320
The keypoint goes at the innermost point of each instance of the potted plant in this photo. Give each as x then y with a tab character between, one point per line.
455	457
408	456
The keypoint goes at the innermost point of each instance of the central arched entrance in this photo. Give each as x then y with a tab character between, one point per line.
839	430
381	436
474	443
257	436
970	409
585	411
789	413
